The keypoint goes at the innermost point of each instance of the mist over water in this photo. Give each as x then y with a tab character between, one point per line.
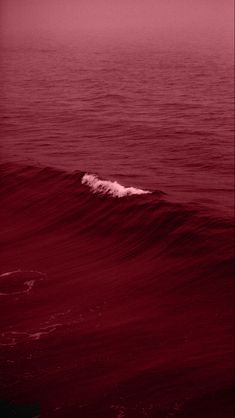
63	19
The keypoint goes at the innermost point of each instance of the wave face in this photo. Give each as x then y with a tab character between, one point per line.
116	291
116	294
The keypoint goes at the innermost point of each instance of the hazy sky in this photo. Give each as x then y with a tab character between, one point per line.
65	18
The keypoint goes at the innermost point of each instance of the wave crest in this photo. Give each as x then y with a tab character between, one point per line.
112	188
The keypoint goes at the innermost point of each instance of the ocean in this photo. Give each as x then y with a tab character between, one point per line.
116	274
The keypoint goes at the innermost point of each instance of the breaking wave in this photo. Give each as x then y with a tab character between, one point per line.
112	188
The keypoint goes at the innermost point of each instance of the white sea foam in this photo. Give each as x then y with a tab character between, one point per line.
9	273
17	282
26	272
11	338
112	188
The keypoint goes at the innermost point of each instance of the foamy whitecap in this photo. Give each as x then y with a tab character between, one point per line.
112	188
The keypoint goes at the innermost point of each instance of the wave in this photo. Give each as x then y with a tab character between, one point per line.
90	203
52	200
138	287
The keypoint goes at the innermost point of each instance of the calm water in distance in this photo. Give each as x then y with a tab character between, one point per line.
151	116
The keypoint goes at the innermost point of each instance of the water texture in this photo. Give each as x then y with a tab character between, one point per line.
116	274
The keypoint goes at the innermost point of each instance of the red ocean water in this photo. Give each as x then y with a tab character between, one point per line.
116	274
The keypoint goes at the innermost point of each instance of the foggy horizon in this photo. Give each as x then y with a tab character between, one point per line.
64	20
